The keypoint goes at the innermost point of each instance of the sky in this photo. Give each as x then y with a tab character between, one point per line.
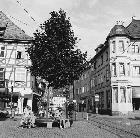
91	20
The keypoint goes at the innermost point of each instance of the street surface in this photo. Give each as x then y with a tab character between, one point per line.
97	126
80	129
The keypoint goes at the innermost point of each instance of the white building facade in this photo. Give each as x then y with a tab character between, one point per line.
13	62
116	70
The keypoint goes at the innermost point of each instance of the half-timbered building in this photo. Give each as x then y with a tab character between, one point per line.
15	79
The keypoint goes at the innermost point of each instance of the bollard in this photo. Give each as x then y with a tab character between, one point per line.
87	116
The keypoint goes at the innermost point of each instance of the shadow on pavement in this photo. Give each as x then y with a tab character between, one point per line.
3	118
135	118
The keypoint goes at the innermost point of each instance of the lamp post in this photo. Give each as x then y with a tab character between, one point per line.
12	115
74	101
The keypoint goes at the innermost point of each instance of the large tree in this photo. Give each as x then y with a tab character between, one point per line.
54	55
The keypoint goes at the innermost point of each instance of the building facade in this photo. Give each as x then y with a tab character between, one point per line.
82	92
15	79
112	85
116	72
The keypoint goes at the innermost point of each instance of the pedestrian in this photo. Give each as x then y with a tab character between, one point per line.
28	118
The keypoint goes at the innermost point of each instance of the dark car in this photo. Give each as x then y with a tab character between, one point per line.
3	113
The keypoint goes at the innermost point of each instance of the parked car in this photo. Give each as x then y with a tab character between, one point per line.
3	112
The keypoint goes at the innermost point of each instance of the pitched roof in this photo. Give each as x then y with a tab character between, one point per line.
8	30
134	28
118	30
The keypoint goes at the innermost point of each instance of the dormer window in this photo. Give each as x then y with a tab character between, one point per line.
19	53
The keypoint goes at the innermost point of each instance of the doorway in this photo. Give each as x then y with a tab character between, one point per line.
136	103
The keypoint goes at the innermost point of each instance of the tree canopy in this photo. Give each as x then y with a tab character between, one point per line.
53	54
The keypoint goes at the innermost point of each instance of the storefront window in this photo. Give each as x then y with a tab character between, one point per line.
123	94
115	94
129	97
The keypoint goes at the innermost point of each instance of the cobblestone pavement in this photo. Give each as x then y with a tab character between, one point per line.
80	129
131	120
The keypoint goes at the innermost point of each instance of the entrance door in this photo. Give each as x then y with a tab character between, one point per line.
136	103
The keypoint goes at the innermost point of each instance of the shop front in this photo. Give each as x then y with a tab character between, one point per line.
136	98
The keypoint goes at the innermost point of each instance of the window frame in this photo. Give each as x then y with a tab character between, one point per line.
2	51
113	46
121	47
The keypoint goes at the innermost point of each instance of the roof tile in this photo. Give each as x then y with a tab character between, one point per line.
134	28
11	31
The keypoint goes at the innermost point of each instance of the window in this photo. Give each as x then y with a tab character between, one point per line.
101	99
136	71
19	54
106	56
20	74
76	91
107	74
128	69
102	60
101	78
113	69
129	95
87	88
123	94
121	46
92	83
83	89
122	69
2	50
2	30
80	90
128	46
95	64
135	49
1	74
108	98
113	47
115	94
85	75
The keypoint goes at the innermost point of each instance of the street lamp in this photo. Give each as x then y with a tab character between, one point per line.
12	115
74	101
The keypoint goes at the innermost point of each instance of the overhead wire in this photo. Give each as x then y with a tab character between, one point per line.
127	48
41	28
25	10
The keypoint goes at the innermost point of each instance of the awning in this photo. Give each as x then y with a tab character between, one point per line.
135	92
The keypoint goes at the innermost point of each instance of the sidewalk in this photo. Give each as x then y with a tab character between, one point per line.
80	129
